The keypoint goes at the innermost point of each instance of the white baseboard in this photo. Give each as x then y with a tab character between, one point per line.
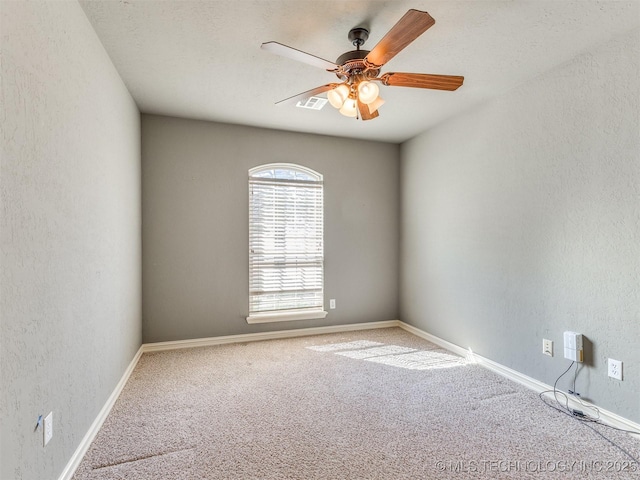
77	456
537	386
531	383
255	337
433	339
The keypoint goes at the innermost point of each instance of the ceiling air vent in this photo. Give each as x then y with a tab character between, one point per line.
314	103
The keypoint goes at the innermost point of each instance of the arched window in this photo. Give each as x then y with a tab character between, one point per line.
286	249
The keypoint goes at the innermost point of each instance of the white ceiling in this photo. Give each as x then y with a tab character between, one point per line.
202	59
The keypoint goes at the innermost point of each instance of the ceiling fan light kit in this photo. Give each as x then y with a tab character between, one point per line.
338	95
367	92
349	108
358	96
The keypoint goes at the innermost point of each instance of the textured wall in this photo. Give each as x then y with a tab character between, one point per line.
521	219
195	225
70	277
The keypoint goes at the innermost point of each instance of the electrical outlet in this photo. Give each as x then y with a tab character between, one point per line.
547	347
332	303
615	369
48	428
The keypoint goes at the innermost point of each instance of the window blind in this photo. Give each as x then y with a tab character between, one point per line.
286	252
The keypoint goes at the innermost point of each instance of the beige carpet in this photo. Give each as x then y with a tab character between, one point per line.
377	404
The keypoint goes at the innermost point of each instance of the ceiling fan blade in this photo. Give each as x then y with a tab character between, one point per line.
422	80
307	94
413	24
365	114
299	55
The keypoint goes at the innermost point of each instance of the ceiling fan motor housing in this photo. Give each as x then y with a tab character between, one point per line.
352	62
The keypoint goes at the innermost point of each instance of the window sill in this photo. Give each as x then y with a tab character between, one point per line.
286	316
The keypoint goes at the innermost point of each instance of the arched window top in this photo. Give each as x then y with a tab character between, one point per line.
285	171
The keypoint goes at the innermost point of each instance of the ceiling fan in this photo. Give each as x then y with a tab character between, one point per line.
357	94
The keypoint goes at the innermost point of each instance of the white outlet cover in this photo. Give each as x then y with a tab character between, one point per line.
615	369
332	303
48	428
547	347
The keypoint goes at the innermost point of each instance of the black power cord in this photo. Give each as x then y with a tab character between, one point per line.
580	415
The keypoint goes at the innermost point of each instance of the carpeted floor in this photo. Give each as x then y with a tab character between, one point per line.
377	404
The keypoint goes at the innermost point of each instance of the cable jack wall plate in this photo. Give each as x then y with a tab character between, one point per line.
573	346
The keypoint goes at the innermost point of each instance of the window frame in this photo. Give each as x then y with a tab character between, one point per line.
291	314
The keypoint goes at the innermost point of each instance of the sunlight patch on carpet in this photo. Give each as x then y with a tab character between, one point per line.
393	355
422	360
376	352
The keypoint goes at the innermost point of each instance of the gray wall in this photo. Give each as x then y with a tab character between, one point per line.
70	277
195	225
521	219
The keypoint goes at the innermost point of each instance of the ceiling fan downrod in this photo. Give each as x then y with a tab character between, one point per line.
357	36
